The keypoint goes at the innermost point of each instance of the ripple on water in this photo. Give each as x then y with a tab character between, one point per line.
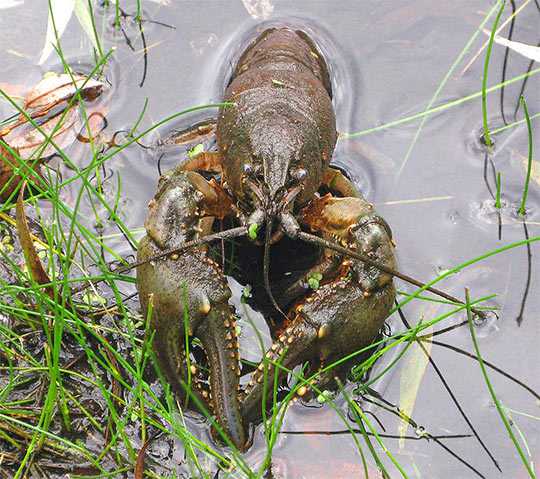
484	214
487	325
474	139
453	217
129	27
200	44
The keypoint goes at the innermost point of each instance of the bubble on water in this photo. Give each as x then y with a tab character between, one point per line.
454	217
440	269
199	46
259	9
486	325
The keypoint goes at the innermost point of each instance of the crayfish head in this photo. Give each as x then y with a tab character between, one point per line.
274	212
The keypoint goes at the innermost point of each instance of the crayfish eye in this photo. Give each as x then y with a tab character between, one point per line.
299	174
248	169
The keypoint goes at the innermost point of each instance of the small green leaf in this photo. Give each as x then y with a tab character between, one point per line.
6	244
278	83
246	293
253	230
196	150
94	299
314	280
324	396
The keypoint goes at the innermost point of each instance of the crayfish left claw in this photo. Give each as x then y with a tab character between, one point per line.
189	294
345	306
220	343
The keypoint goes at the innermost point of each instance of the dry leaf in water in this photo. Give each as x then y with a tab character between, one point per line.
5	4
31	257
528	51
61	12
7	182
32	143
535	169
10	181
48	104
51	96
523	161
54	89
412	374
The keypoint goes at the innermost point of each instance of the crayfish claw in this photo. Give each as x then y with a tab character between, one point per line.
186	294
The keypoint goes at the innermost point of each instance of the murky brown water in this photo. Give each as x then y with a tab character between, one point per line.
387	59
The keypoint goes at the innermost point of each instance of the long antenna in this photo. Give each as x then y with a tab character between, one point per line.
227	234
266	265
310	238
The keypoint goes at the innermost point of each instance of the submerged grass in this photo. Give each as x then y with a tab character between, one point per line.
441	86
96	396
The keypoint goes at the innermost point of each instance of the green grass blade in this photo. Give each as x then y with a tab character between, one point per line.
530	157
494	397
487	137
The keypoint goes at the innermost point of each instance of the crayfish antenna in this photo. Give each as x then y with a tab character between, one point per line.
266	266
227	234
221	235
313	239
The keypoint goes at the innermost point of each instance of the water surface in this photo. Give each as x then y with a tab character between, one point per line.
387	59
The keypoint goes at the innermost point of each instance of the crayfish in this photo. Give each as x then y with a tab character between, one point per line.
271	180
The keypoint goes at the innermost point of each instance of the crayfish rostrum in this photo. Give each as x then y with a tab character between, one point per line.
271	180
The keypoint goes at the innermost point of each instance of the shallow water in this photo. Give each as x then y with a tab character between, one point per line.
387	59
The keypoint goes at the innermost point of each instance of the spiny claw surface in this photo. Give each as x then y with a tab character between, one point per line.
189	292
346	309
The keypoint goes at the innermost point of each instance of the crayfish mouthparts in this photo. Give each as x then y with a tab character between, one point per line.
259	221
290	225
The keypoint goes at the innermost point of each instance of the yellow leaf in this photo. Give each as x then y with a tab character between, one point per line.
31	257
535	169
412	373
